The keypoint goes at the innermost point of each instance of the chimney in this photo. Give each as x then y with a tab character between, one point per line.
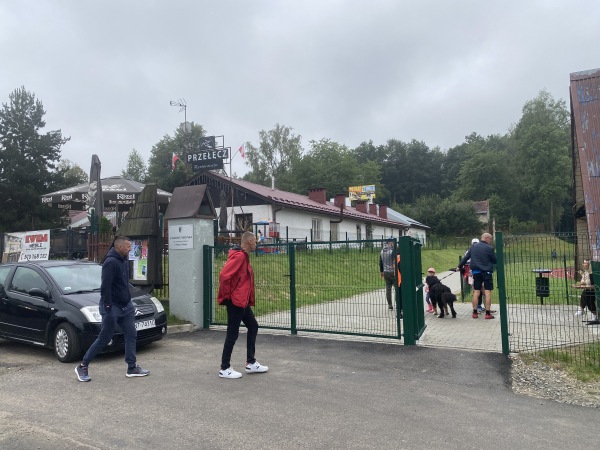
317	194
361	205
383	211
340	200
373	209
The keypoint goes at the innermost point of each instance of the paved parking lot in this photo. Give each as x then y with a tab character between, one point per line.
317	394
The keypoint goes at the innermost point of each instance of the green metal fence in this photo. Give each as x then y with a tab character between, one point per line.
325	287
538	273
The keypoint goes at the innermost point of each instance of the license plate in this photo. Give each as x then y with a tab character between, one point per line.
145	324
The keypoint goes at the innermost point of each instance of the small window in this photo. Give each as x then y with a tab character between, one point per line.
316	226
358	233
26	279
333	231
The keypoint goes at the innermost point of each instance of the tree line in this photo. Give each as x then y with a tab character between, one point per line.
526	173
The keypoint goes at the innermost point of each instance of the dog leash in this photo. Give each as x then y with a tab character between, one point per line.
451	270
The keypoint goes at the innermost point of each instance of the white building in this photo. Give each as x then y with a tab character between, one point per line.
242	205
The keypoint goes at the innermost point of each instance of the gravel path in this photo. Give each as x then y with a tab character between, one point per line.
539	380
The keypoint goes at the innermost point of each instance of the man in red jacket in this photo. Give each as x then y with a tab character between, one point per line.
236	292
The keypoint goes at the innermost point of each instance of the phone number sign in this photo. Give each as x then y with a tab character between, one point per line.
35	246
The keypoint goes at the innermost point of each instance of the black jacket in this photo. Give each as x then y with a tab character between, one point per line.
482	257
114	289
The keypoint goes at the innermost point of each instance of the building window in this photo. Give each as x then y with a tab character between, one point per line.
316	226
333	231
358	233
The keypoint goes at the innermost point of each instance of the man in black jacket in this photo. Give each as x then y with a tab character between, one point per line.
483	259
116	309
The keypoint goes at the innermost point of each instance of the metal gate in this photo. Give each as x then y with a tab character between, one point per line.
538	301
325	287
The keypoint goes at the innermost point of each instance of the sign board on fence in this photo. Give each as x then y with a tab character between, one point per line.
35	246
181	237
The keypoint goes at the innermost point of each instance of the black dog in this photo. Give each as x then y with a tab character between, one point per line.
441	296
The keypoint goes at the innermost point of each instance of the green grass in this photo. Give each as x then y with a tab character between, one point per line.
171	319
576	361
321	275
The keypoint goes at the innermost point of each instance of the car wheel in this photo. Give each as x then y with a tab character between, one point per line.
67	346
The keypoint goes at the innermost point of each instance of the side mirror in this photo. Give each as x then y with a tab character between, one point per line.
37	292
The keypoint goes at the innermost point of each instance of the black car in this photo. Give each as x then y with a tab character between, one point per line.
55	304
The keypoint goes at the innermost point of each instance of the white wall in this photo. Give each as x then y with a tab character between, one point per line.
299	223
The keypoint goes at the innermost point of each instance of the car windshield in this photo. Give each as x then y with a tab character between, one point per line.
77	278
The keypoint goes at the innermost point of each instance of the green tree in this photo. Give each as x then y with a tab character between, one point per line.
334	167
159	165
446	217
543	158
136	167
69	174
271	163
410	170
28	158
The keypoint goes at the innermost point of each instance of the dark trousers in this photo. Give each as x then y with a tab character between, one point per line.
389	284
235	316
588	298
125	318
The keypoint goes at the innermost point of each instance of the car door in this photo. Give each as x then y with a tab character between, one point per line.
4	271
27	316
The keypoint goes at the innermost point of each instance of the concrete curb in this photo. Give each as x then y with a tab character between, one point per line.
184	328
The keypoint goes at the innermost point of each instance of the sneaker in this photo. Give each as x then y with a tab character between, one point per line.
489	316
82	373
475	315
594	319
229	373
391	308
137	371
480	309
255	367
579	312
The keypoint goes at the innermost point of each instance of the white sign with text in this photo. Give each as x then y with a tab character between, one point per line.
181	237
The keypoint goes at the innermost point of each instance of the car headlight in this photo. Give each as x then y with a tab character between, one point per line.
159	306
92	313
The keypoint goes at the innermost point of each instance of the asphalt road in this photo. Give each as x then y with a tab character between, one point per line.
317	394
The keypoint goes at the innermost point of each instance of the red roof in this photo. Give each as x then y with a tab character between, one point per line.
302	202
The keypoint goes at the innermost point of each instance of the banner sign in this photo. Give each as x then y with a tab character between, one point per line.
211	159
35	246
366	192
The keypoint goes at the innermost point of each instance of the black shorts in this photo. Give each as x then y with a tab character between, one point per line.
484	279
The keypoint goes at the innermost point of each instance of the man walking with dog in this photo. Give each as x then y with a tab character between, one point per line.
482	258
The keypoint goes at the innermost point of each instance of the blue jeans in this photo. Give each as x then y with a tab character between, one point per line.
235	316
125	318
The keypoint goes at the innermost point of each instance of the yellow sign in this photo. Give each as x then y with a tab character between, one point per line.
366	192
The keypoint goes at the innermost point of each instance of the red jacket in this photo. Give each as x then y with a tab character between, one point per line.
236	280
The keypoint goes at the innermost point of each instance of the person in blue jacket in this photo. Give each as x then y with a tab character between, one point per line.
116	309
482	258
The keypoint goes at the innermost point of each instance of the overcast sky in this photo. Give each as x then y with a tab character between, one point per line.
346	70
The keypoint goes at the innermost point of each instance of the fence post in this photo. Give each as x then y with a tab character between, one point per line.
292	262
208	285
502	293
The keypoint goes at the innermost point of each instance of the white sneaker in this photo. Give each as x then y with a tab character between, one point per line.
256	368
594	319
229	373
579	312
